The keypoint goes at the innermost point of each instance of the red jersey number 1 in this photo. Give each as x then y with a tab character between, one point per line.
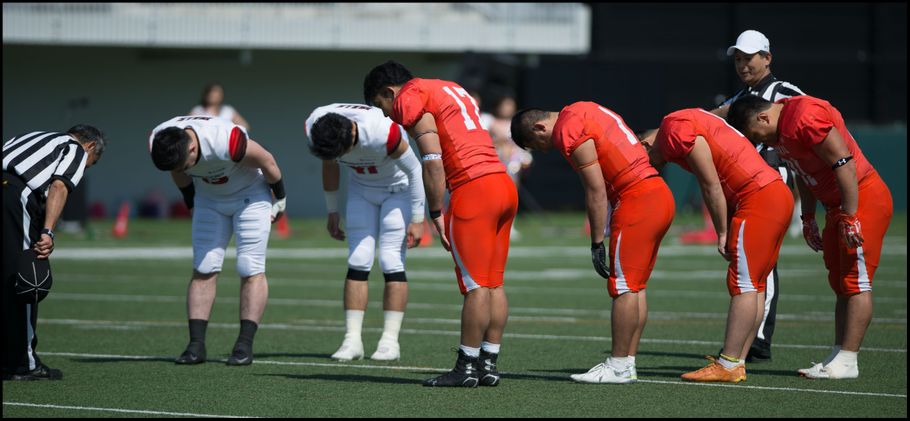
469	122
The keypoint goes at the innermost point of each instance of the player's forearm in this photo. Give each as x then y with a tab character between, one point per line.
434	183
56	199
596	204
270	169
717	206
411	166
331	176
808	202
849	189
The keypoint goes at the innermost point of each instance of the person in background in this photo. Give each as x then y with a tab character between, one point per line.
212	104
515	158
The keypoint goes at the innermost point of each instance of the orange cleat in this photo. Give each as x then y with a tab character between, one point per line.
715	372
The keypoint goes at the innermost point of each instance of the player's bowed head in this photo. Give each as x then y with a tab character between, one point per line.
332	136
756	118
382	83
532	128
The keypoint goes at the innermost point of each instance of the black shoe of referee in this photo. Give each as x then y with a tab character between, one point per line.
463	375
41	372
194	354
241	355
486	369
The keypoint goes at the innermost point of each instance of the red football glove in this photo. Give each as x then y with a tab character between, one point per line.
851	234
810	232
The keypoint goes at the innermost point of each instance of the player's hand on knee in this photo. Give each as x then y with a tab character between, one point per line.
332	225
810	232
599	258
850	230
440	224
278	209
415	233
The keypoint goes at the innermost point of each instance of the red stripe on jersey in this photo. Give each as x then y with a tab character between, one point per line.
237	147
394	139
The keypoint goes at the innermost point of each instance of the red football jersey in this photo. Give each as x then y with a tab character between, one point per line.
467	149
739	166
622	158
804	122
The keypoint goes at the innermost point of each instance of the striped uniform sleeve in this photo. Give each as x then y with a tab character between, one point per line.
783	90
71	166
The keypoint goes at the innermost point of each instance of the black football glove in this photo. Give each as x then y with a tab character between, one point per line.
599	258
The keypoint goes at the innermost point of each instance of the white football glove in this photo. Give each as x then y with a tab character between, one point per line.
278	208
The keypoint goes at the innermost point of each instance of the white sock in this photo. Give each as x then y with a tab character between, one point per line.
632	357
834	351
729	365
845	357
620	363
471	352
489	348
391	326
353	322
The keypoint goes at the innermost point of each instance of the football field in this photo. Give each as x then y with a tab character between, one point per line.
116	319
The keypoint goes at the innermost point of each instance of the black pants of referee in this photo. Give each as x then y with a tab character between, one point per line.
23	216
762	341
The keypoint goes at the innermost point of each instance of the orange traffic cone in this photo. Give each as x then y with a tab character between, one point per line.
282	227
123	217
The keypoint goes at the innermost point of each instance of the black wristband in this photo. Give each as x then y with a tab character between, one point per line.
49	233
435	214
841	162
278	189
189	192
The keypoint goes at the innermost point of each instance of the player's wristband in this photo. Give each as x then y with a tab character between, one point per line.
435	214
841	162
278	189
431	156
417	218
189	192
331	201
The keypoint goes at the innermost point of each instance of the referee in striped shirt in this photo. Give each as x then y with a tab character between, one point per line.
39	171
752	61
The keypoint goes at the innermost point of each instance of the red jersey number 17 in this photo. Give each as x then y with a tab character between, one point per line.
471	123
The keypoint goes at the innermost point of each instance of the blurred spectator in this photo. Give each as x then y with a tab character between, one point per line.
212	103
516	159
486	119
153	205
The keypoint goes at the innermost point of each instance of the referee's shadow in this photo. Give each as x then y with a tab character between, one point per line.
353	378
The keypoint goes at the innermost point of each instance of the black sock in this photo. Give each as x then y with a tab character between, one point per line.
247	331
197	330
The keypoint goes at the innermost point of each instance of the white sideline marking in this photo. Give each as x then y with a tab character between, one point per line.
128	411
334	326
159	253
654	315
443	370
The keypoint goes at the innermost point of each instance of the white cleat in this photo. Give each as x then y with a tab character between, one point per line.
833	370
387	351
350	350
604	373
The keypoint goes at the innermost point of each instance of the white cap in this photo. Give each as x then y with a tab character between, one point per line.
750	42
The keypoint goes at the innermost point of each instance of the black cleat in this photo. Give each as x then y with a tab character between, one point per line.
194	354
486	369
241	355
463	375
41	372
758	355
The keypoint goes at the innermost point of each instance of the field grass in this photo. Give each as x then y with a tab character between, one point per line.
114	324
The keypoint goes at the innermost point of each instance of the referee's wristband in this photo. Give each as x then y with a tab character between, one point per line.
49	233
278	189
435	214
331	201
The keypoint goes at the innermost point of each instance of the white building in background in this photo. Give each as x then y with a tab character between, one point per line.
535	28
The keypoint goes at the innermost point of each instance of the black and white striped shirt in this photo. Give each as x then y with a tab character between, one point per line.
768	88
41	157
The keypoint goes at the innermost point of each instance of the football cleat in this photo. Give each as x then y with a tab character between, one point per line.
241	355
194	354
387	351
349	350
463	375
834	371
715	372
605	373
41	372
486	369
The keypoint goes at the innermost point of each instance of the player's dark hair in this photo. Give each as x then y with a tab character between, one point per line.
744	110
170	148
331	136
523	125
86	134
390	73
208	89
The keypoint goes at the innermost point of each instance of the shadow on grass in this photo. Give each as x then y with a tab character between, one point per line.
292	355
672	354
352	378
122	360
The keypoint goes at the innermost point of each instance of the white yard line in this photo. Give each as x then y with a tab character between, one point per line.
127	411
334	326
442	370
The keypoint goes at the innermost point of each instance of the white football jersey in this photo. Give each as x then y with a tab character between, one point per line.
222	144
377	137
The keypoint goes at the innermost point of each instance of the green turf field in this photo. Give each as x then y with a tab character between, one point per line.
114	323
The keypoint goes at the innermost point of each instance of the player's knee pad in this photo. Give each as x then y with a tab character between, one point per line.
395	277
358	275
391	260
249	265
209	263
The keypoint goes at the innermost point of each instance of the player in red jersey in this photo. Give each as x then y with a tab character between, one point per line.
811	136
747	199
627	202
457	152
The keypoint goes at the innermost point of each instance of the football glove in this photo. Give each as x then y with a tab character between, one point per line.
810	232
278	208
599	258
850	232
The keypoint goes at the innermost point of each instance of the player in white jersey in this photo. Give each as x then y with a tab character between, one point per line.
385	201
233	175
